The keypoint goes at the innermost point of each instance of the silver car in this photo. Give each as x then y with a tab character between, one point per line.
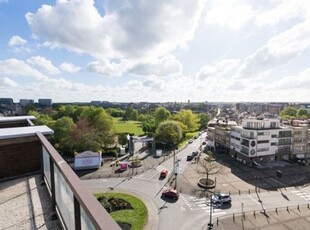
221	198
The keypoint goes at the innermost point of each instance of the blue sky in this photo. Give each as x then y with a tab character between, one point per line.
157	51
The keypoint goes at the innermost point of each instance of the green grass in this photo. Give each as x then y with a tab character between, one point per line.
128	127
137	217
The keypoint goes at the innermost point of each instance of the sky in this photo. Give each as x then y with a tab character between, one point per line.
155	51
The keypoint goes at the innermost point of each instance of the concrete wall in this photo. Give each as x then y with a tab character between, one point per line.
19	156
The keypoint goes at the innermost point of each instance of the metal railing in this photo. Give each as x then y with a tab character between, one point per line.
75	206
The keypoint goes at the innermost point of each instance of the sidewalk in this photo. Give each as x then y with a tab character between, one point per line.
297	218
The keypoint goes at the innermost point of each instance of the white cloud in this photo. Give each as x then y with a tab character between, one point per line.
291	41
14	67
230	16
45	64
17	41
69	67
139	30
217	69
108	68
165	67
284	11
7	82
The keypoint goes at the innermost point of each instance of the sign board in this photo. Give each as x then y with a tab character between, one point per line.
87	160
159	152
122	152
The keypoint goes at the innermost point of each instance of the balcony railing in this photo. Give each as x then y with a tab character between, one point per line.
74	204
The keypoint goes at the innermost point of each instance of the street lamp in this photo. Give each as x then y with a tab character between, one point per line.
210	225
130	149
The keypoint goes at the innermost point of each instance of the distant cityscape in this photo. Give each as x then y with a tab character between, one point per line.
230	110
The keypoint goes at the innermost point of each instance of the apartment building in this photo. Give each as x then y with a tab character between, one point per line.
261	141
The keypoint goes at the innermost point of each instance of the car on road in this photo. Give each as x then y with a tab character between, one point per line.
163	173
170	193
192	155
190	141
221	198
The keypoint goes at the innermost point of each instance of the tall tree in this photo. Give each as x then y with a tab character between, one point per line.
161	114
302	113
169	132
188	118
203	120
288	112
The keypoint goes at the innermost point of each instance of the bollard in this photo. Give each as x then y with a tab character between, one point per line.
239	192
287	209
229	192
264	211
234	217
217	222
308	206
277	210
254	214
244	215
249	191
298	207
258	190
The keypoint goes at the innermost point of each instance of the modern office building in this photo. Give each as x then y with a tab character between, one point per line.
25	102
261	141
45	102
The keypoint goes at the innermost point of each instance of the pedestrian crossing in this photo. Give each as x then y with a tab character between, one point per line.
302	193
160	167
201	204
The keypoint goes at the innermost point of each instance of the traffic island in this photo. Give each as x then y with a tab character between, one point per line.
206	183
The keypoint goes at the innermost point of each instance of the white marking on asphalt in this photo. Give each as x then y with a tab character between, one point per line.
183	209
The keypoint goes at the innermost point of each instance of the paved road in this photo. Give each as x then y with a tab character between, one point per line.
192	210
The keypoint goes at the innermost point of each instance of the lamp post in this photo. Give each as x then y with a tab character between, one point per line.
210	225
130	149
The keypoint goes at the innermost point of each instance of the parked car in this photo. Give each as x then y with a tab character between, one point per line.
190	141
190	157
163	173
221	198
203	143
170	193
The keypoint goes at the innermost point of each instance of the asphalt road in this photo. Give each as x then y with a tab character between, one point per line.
192	210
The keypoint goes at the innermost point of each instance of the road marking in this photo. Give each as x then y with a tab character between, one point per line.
183	209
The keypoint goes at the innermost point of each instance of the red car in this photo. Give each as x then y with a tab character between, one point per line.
170	193
163	173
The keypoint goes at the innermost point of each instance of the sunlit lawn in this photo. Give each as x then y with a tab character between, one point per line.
137	216
128	127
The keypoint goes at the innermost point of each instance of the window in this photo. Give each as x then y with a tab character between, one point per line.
273	143
262	149
263	142
273	124
274	135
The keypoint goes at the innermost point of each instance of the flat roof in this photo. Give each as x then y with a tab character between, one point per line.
16	118
6	133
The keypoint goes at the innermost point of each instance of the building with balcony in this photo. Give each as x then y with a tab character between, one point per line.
38	188
261	141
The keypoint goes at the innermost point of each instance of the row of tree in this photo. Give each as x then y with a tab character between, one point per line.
290	112
80	128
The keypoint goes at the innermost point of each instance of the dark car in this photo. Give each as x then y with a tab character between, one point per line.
170	193
190	157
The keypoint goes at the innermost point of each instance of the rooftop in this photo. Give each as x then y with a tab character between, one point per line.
27	131
25	204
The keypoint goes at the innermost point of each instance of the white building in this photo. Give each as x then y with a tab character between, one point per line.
261	141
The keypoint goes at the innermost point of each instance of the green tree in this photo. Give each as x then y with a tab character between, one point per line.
188	118
161	114
302	113
203	120
288	112
84	137
169	132
102	122
63	128
127	114
122	139
115	112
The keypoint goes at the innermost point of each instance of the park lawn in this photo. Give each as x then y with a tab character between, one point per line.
137	217
128	127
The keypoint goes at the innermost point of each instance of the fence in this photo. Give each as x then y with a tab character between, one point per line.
74	204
